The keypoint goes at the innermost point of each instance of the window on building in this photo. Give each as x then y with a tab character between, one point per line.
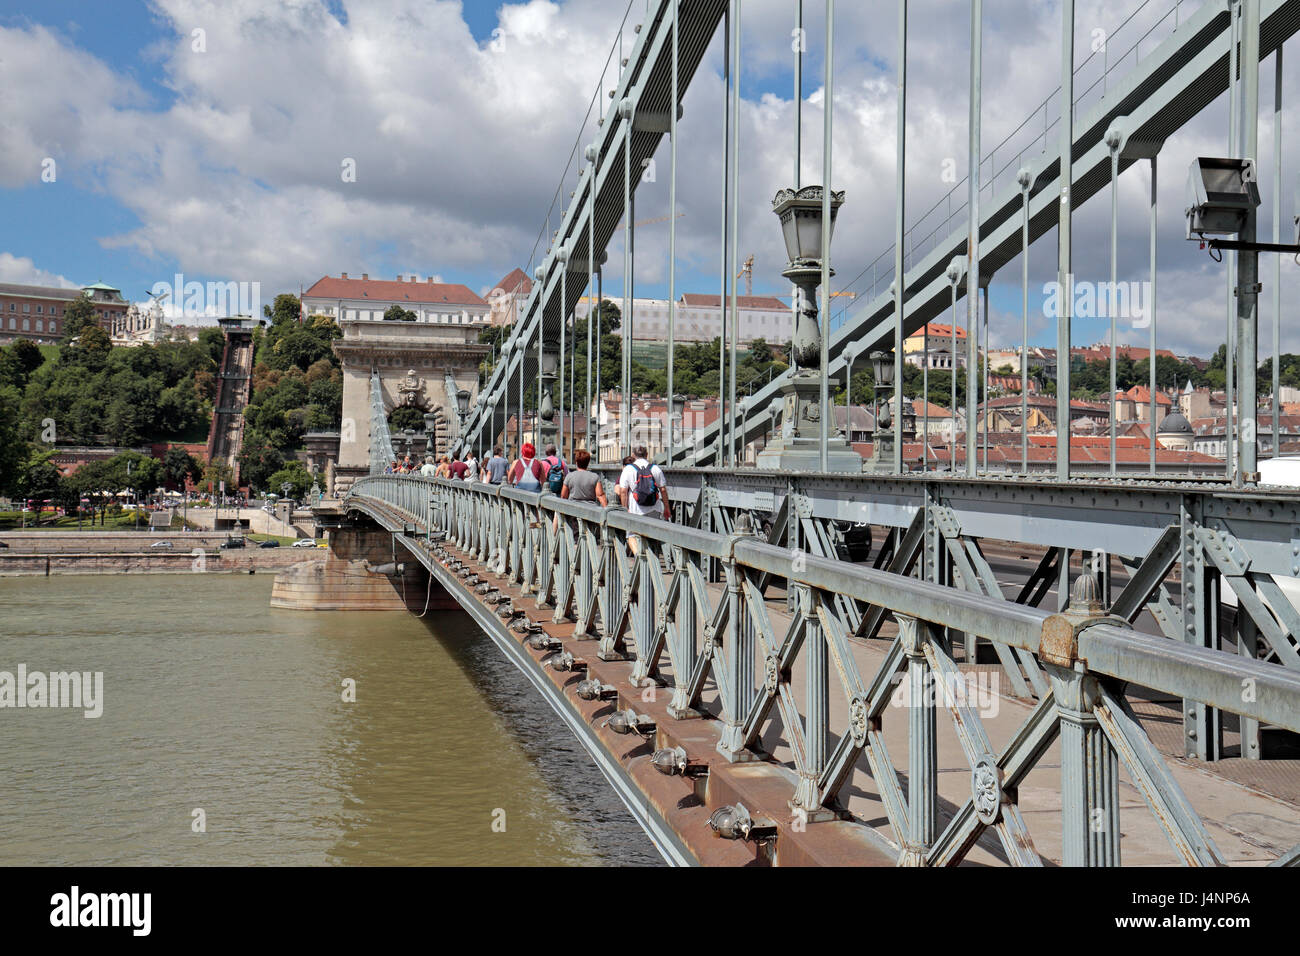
40	310
27	325
27	307
40	325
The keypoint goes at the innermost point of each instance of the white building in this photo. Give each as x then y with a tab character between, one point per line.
699	318
363	299
508	296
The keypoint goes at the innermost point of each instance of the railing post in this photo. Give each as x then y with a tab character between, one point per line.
922	762
583	576
817	703
545	573
611	646
529	583
644	612
1089	765
1202	724
564	570
687	653
738	648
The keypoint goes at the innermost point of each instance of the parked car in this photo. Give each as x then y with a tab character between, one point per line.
269	544
160	544
232	543
304	543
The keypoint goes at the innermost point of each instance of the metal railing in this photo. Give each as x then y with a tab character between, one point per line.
646	589
381	439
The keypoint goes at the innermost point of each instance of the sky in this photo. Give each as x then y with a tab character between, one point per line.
266	142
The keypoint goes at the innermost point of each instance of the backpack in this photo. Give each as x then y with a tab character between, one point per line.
555	477
646	490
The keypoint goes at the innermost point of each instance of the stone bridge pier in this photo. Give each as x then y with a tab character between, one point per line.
359	574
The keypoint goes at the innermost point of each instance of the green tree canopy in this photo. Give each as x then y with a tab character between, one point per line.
77	316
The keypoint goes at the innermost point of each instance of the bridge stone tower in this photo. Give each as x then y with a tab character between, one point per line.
415	361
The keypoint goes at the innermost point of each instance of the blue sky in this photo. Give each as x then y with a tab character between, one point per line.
224	163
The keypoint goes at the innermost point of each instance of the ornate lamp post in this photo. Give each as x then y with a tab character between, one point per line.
430	433
882	441
546	411
797	445
462	408
480	404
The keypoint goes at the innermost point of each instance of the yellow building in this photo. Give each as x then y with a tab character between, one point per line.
940	346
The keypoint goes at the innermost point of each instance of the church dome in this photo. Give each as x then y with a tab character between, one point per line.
1174	424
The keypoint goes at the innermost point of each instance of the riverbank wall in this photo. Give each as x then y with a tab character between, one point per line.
195	561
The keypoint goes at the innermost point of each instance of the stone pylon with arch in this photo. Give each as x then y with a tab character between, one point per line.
418	363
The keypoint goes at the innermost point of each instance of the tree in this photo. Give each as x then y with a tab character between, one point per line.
138	473
39	478
302	348
77	316
404	417
178	465
18	362
214	474
258	461
294	473
213	342
94	340
285	309
395	313
12	449
610	316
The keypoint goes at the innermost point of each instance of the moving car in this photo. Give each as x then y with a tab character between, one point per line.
232	543
161	544
269	544
304	543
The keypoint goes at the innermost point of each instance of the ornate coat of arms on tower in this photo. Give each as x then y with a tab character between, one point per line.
411	390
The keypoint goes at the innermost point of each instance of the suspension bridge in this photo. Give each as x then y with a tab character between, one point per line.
817	663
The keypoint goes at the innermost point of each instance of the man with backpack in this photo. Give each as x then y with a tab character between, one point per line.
555	470
643	489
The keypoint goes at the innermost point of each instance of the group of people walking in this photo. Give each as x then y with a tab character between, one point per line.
641	488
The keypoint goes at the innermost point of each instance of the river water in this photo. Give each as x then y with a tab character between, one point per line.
215	702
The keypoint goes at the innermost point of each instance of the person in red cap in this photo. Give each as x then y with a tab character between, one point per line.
526	473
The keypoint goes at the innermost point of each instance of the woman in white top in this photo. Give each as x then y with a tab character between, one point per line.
523	474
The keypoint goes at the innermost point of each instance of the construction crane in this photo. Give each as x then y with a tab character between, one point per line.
748	273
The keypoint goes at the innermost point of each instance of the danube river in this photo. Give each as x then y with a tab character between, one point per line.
224	715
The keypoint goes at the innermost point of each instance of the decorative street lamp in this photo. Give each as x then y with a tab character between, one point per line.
850	356
547	428
462	412
882	441
741	405
797	445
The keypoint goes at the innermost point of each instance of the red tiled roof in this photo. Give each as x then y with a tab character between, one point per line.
938	330
759	303
515	281
379	290
1083	451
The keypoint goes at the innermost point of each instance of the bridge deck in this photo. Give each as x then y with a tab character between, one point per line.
1241	802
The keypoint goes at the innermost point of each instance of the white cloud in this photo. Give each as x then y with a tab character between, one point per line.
458	145
22	271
